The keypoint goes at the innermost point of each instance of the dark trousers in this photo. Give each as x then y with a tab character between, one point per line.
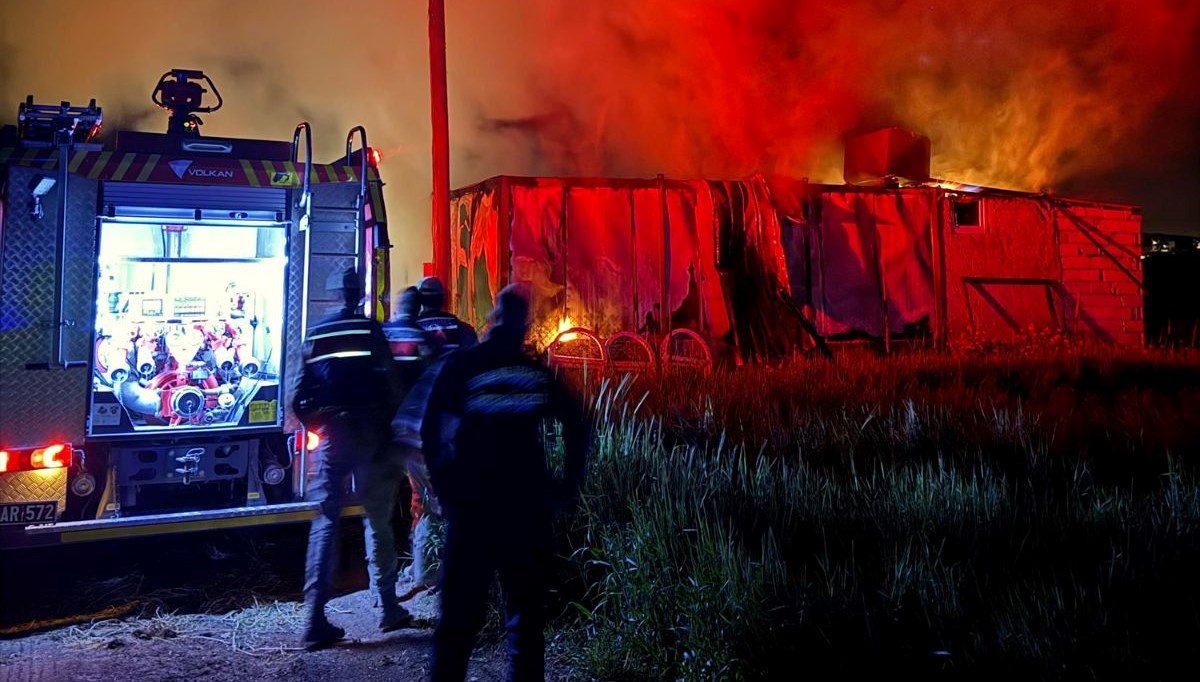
477	546
352	444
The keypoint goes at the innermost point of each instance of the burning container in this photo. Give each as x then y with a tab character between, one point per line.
758	268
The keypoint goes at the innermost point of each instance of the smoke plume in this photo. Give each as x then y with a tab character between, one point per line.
1092	98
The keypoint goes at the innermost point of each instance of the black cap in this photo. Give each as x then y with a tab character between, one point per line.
408	303
512	307
433	293
431	286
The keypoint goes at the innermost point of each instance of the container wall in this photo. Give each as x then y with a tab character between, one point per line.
1102	286
477	272
538	254
1002	267
872	256
601	262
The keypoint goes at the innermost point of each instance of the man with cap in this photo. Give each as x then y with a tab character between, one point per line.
448	332
411	346
482	436
345	393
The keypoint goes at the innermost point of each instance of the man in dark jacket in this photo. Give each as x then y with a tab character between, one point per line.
346	393
411	346
448	332
482	435
412	352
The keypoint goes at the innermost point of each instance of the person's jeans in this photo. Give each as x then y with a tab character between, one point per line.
352	444
382	477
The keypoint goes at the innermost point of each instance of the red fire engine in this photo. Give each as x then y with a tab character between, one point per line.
153	302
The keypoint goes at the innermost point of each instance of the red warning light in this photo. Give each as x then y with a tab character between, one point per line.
49	457
313	440
374	156
3	461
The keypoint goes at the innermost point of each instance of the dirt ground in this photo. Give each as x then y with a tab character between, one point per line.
209	606
256	643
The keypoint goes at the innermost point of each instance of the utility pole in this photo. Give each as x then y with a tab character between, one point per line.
441	140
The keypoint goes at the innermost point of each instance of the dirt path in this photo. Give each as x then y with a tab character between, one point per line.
255	643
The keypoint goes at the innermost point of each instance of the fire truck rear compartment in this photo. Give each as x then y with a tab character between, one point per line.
189	309
164	478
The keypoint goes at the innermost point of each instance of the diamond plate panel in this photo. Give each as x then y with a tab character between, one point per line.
37	406
35	486
293	327
333	242
324	195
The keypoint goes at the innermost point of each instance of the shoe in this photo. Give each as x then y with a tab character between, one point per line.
397	619
322	636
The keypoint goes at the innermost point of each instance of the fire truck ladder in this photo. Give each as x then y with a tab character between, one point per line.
332	221
332	218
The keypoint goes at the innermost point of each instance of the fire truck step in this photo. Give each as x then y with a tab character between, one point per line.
182	522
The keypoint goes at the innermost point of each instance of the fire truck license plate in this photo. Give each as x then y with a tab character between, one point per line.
28	512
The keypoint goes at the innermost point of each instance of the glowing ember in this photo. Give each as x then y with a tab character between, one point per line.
547	334
561	334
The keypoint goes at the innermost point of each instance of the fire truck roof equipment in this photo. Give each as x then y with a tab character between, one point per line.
179	92
45	126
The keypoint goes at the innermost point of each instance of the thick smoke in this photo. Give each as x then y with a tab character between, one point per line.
1095	98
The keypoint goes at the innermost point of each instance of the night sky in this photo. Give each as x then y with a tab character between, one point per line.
1092	99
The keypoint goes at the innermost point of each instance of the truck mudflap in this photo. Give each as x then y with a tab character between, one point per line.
179	522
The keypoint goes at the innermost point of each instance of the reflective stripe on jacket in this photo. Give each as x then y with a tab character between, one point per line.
346	366
447	332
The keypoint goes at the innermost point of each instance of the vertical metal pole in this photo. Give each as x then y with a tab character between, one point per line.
937	245
881	273
306	279
301	468
441	139
60	251
633	252
563	249
665	296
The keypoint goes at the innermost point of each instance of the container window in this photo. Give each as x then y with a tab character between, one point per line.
968	215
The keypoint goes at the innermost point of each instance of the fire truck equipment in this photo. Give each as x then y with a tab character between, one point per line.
136	398
83	485
39	187
148	354
46	126
179	92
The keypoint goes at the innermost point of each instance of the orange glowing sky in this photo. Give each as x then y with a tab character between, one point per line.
1094	98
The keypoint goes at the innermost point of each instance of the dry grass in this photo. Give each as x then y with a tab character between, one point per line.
253	630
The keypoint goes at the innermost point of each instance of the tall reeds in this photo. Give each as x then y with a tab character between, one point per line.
988	516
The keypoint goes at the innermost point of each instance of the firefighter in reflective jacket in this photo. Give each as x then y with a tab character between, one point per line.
448	332
411	346
482	434
412	352
346	392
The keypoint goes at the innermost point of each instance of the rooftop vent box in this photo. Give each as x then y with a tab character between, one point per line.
883	156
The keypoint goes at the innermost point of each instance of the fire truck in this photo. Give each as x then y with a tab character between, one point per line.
154	295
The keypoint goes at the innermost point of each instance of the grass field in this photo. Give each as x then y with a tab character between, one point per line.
997	513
